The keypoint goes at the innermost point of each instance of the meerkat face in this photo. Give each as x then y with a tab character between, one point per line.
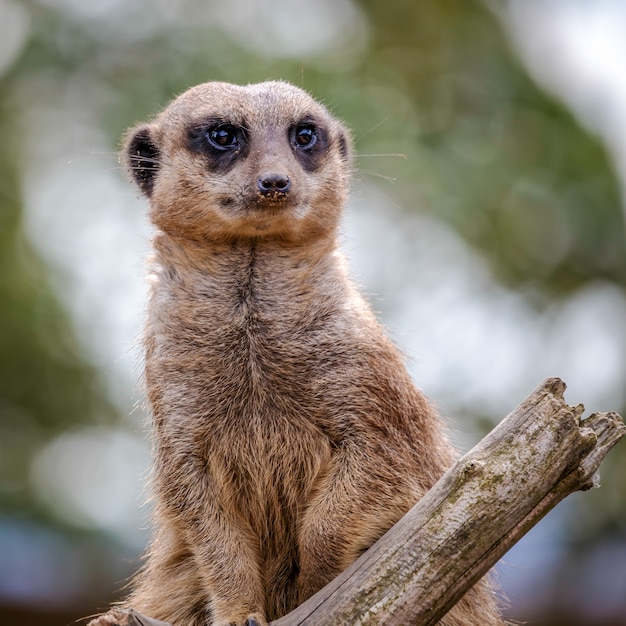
224	161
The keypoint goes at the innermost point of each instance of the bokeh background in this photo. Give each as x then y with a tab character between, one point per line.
486	225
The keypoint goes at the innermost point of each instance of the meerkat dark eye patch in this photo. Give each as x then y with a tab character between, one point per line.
220	142
309	141
143	159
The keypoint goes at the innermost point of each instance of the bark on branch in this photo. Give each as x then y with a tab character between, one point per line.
538	455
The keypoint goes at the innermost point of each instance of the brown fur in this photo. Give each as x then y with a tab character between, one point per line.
288	435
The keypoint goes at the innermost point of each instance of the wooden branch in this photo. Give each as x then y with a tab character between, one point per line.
484	504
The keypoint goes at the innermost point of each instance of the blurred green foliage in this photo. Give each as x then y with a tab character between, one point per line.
486	151
46	383
505	164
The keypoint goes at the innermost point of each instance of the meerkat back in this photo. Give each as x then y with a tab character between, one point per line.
288	436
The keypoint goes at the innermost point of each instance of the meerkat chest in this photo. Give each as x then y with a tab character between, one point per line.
245	359
251	335
238	387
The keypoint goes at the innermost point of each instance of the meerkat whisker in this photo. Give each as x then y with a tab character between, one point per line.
399	155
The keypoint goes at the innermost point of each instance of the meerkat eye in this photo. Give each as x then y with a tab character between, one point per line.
223	136
304	136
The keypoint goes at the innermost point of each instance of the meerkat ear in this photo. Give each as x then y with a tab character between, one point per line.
345	145
142	157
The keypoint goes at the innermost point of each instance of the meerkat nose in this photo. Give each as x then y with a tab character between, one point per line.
273	184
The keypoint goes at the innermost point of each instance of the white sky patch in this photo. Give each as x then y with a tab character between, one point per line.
14	31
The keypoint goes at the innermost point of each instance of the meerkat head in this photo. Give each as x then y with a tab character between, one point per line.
227	162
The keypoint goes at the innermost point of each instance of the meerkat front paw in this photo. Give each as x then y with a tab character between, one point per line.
251	620
125	617
115	617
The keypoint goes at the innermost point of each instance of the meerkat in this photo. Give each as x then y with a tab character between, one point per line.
288	435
